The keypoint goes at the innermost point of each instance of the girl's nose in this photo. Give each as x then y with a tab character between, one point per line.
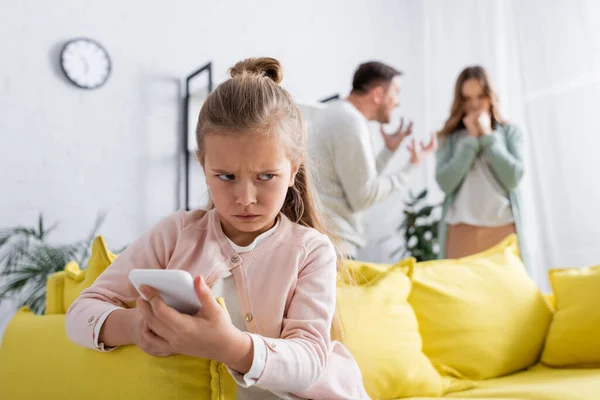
245	193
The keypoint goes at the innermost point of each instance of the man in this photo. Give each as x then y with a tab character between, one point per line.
348	177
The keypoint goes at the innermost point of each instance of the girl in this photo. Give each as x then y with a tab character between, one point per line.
479	167
261	247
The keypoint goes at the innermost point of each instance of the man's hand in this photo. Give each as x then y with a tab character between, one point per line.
393	141
417	155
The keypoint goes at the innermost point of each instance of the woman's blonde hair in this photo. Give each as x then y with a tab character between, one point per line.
457	113
253	102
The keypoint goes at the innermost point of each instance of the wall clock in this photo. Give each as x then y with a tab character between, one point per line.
85	63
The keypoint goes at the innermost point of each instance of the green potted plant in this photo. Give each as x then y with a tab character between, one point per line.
27	259
419	230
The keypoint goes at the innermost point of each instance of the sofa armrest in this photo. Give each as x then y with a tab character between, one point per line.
37	361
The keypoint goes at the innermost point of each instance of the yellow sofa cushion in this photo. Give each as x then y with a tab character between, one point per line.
538	383
76	280
381	332
480	316
574	335
37	361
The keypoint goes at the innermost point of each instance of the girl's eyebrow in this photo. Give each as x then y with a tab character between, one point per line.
220	171
265	171
258	171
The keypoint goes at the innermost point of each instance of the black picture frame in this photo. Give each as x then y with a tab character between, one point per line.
205	76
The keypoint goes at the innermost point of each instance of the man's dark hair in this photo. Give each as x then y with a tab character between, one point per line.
371	74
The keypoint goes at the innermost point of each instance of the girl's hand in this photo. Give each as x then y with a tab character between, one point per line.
472	125
416	155
207	334
145	339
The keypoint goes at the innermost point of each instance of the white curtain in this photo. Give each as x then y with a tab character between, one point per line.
559	47
544	58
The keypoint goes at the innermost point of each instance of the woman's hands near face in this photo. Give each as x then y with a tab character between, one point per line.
478	123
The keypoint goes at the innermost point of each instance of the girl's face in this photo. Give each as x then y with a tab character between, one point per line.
474	98
248	177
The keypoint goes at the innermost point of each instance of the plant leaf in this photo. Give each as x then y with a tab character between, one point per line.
17	249
26	261
422	195
36	299
41	227
13	284
425	211
27	282
8	234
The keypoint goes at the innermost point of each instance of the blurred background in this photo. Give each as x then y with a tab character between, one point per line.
71	154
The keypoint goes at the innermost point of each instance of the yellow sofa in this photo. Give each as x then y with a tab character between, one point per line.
37	361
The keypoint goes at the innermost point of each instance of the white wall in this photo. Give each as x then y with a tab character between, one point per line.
561	76
69	153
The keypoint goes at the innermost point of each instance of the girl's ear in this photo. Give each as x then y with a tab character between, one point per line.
295	169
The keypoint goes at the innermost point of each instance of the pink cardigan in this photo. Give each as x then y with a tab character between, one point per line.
286	287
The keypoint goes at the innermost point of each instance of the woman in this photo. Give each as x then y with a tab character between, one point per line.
479	167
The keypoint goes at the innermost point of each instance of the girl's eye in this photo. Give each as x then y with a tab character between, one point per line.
265	177
226	177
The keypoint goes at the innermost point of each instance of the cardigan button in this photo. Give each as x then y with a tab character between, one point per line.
249	317
235	259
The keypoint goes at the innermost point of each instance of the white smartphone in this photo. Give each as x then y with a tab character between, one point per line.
176	287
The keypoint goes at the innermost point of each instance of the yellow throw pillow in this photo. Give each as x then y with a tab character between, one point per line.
362	272
55	293
76	280
480	316
381	332
574	336
37	361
